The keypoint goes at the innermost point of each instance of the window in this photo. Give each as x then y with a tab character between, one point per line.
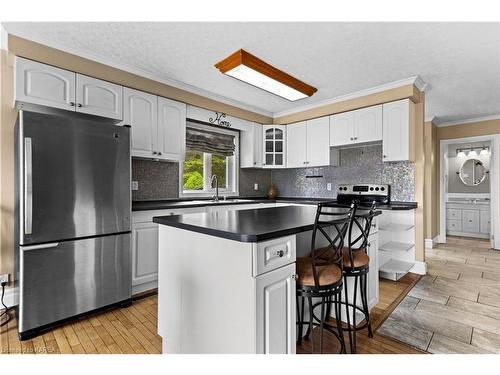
209	151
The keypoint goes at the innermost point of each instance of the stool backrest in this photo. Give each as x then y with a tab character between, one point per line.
362	222
324	222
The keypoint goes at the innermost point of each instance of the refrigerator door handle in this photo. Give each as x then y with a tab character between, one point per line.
42	246
28	186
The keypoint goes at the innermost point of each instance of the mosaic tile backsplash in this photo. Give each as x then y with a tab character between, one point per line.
357	165
160	180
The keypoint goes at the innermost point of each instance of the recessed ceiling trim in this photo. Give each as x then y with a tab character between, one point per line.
252	70
468	121
145	74
353	95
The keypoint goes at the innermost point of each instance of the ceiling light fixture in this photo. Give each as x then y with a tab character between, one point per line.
250	69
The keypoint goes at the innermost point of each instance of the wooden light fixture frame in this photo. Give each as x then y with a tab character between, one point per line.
242	57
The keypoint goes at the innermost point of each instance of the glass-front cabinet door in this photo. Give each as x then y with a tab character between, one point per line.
274	146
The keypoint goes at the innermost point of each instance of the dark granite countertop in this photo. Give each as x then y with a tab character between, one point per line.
253	225
202	202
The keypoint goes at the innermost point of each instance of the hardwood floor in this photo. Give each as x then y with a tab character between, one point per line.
455	308
133	330
126	330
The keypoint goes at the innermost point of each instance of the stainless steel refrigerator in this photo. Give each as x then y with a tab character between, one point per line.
72	217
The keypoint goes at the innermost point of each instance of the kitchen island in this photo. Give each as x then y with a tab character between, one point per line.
226	280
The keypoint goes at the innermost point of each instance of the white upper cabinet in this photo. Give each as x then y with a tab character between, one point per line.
274	144
359	126
396	131
97	97
318	148
368	124
296	145
342	129
308	143
140	111
251	147
171	139
42	84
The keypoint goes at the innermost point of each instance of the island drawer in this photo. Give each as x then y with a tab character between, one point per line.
273	254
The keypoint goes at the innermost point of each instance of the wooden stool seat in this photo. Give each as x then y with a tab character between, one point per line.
327	275
359	259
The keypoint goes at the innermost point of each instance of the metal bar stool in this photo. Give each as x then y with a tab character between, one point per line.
356	265
320	275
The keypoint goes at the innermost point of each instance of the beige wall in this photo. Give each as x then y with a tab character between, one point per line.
403	92
431	149
7	121
35	51
419	171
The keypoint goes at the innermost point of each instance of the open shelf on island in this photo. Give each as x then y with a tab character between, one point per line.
396	246
395	227
394	269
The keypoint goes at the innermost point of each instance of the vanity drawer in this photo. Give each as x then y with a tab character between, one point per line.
454	225
272	254
453	214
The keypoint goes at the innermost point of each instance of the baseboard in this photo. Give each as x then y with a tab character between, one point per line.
137	289
419	268
431	243
10	297
468	234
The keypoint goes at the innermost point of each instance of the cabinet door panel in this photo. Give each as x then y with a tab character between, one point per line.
470	221
257	142
342	129
97	97
396	131
485	222
296	145
171	129
44	85
318	145
368	124
276	311
274	146
144	253
141	113
251	147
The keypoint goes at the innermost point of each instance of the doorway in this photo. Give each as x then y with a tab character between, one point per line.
469	188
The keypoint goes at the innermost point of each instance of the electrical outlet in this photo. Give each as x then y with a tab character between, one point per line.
4	278
135	185
329	186
256	186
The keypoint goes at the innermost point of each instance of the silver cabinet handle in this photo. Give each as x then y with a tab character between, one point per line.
79	105
72	104
28	186
280	253
42	246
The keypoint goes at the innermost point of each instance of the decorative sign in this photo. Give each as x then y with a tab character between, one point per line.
219	120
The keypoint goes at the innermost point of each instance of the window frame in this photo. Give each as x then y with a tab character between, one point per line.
232	166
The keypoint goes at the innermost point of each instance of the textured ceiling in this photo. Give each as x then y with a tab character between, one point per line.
461	61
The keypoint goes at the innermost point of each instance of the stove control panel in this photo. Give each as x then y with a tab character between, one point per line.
364	189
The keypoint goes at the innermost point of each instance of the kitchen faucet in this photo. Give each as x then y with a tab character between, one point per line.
215	198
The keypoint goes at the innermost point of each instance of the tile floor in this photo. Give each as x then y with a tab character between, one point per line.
455	308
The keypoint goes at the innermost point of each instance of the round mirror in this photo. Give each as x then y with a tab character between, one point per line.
472	172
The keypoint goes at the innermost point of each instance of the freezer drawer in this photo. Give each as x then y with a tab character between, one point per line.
60	280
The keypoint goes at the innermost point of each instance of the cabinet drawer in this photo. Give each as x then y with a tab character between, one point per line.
470	221
453	214
454	225
272	254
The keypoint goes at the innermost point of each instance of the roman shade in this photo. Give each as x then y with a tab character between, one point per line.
210	142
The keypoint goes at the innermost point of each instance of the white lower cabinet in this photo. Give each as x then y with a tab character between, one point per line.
468	219
275	294
144	253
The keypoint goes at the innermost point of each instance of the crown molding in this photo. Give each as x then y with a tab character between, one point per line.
468	121
432	119
145	74
415	80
